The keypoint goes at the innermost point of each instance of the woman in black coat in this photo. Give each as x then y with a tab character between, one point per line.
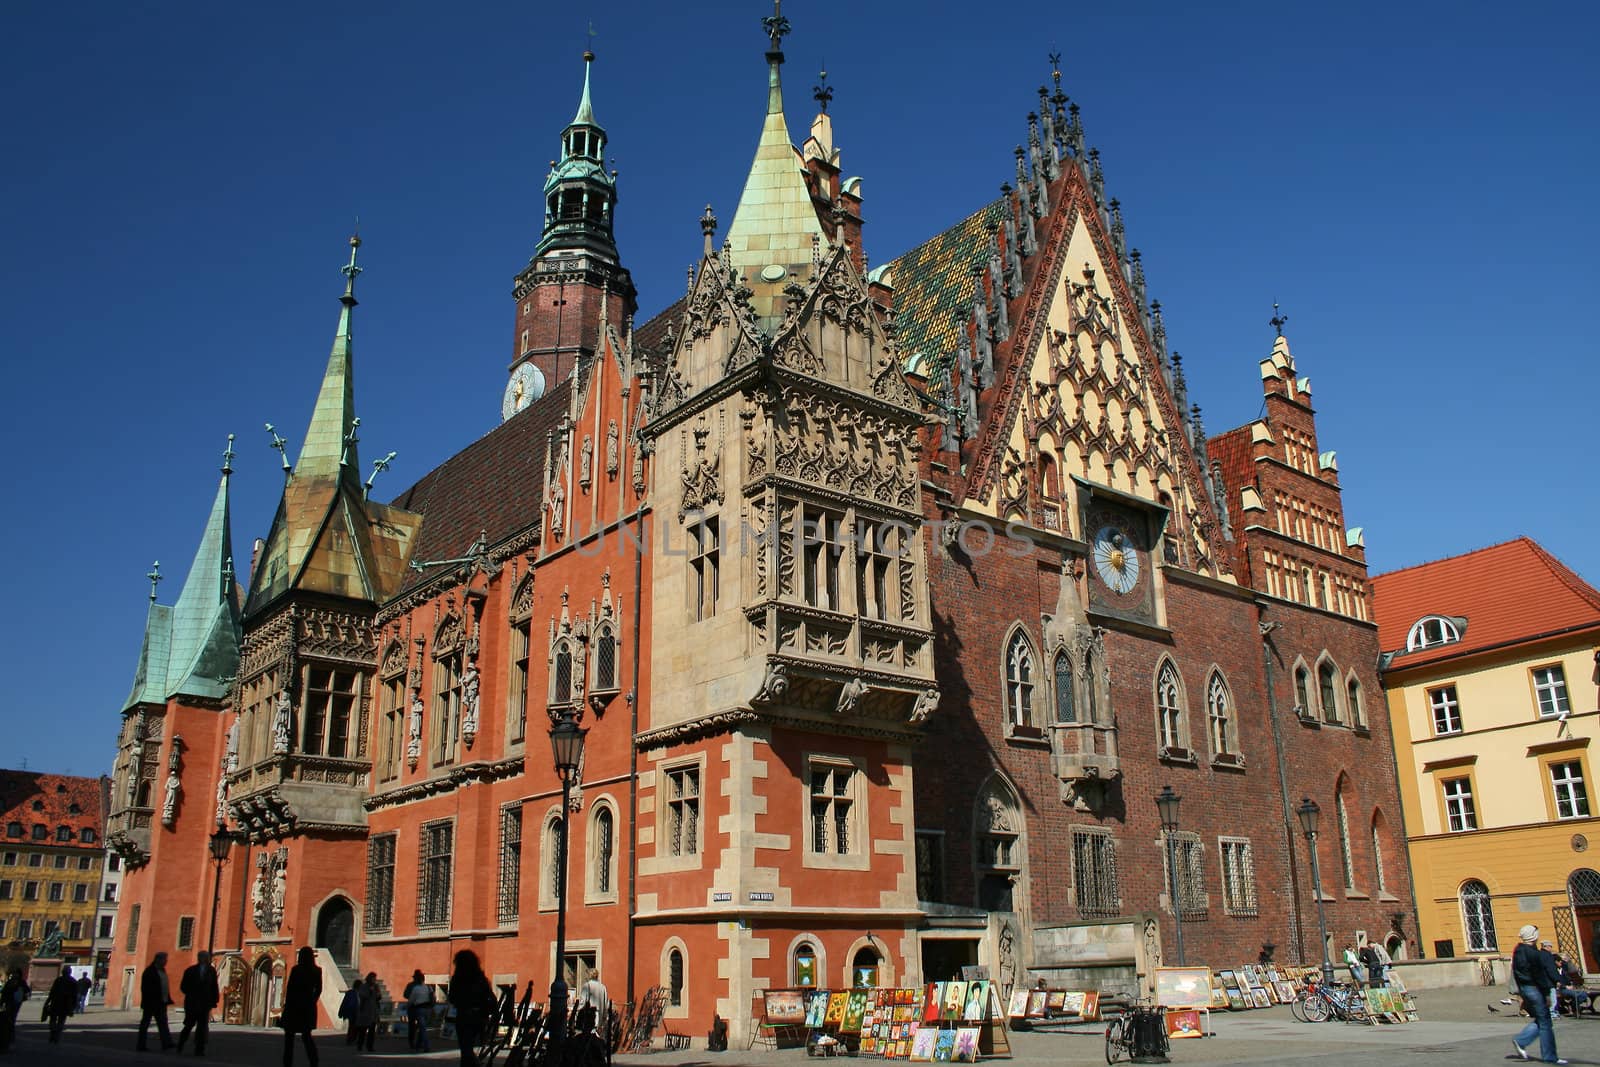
474	1001
300	998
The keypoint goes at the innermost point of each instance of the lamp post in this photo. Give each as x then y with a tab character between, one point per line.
566	744
221	842
1167	806
1308	812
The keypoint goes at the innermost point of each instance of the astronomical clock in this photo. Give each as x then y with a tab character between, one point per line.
1121	536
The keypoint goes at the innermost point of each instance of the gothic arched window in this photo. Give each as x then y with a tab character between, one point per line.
1302	691
1219	712
1346	854
1066	707
1328	691
561	675
1477	917
603	850
605	658
1019	680
1170	734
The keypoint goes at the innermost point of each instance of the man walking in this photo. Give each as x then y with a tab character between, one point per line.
154	996
201	993
59	1003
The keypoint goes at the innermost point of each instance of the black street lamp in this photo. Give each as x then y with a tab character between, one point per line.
566	744
221	842
1167	805
1308	812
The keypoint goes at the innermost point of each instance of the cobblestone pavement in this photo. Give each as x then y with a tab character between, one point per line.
1457	1029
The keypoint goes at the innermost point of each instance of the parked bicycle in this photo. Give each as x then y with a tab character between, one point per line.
1323	1002
1139	1031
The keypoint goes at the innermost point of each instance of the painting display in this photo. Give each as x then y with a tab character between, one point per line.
1184	987
1184	1022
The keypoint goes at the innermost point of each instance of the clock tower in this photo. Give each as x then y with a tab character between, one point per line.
575	266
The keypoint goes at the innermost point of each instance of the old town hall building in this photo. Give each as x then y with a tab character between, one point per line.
889	600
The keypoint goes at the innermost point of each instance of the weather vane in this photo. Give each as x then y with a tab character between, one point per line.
822	92
776	25
281	445
1278	319
227	457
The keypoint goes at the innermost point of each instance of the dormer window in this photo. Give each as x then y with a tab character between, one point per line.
1433	630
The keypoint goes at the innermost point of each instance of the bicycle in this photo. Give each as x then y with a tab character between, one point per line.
1139	1031
1323	1002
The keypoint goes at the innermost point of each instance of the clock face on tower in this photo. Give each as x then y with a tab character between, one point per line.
1116	559
526	386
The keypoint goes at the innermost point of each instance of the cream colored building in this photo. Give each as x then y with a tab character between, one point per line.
1491	678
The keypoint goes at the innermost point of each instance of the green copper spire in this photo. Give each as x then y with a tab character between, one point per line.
580	197
205	621
330	447
585	115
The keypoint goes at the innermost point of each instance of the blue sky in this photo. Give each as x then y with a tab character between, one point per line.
1413	182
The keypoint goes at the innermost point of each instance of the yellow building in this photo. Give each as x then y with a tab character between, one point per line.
51	854
1493	688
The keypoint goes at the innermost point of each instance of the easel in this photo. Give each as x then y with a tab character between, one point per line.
992	1038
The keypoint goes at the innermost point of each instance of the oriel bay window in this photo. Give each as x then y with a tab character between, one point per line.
877	553
330	697
705	562
821	552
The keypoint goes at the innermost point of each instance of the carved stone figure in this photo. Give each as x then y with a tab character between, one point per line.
469	702
999	814
222	791
586	462
1008	958
280	886
927	703
774	685
611	449
557	506
230	761
850	696
280	725
414	732
169	802
50	947
258	894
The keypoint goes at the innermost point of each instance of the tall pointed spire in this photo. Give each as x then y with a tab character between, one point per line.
580	197
328	450
775	222
585	115
205	620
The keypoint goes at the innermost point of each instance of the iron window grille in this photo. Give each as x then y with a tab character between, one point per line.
1477	918
1094	871
380	882
1192	896
433	877
832	804
1238	876
683	811
510	863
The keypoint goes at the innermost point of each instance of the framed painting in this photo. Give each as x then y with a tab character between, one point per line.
966	1050
1219	993
786	1007
977	1006
837	1002
944	1046
1091	1006
1184	1022
1055	1000
817	1008
1236	1001
1071	1004
1259	997
955	998
932	1002
922	1044
1036	1003
1229	979
1183	987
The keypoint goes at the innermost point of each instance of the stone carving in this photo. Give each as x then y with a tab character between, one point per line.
469	702
555	507
222	792
1008	958
999	813
169	802
830	443
850	696
774	685
259	903
280	885
927	703
230	757
280	724
447	638
586	462
702	476
612	451
50	947
414	731
394	659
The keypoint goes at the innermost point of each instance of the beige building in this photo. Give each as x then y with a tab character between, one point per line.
1491	678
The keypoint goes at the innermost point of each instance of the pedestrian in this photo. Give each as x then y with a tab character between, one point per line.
473	998
1571	997
155	993
347	1011
366	1022
594	994
1384	961
201	993
60	1002
1536	978
1374	966
300	998
1358	973
419	1012
85	984
12	994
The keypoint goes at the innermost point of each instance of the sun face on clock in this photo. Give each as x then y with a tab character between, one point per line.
526	386
1116	559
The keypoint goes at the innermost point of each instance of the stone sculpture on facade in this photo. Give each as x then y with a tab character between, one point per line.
414	731
280	725
169	802
469	702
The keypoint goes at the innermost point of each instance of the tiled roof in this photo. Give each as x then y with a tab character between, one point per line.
57	795
495	485
650	337
934	280
1507	592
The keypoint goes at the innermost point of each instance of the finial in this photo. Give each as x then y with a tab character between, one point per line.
777	28
227	457
155	578
350	270
1278	319
283	448
378	467
708	229
227	575
349	440
1055	67
822	92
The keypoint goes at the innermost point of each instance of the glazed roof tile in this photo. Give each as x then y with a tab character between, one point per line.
1515	591
495	485
57	794
933	283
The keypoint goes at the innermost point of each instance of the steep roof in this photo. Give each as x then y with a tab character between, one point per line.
1231	452
494	486
63	800
933	288
1510	592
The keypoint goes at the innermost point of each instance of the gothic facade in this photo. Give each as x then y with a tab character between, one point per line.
887	599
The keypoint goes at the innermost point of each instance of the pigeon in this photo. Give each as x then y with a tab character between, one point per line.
1493	1010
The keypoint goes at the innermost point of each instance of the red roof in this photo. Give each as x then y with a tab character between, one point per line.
51	801
1509	592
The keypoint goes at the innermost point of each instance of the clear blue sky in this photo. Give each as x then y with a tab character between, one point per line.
1413	182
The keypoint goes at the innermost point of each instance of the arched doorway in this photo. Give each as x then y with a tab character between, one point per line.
336	929
1583	891
260	992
